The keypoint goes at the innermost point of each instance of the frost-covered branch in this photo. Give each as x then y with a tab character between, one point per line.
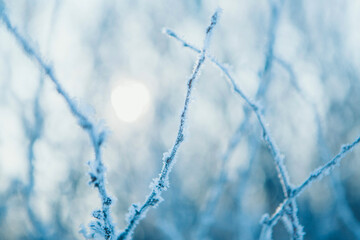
327	168
160	184
278	157
103	226
338	192
234	140
317	174
216	191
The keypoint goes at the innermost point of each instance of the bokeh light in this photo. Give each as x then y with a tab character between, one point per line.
130	100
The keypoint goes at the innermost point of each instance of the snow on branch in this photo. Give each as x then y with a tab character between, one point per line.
207	216
317	174
325	170
103	226
288	206
160	184
342	206
278	157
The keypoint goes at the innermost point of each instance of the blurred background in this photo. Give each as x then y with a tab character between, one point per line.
299	60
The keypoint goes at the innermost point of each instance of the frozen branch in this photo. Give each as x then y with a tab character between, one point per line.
269	222
278	157
103	225
327	168
342	206
160	184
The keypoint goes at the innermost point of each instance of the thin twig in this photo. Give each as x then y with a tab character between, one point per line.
278	157
104	225
314	176
160	184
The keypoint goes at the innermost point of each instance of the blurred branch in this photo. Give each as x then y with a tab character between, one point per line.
34	132
207	216
169	229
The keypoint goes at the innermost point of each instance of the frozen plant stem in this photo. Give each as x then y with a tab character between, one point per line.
207	217
104	226
325	169
160	184
338	192
278	157
315	175
343	208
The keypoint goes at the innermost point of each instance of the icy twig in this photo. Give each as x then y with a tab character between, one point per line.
278	157
103	225
160	184
314	176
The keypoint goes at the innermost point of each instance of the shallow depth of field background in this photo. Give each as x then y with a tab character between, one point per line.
99	48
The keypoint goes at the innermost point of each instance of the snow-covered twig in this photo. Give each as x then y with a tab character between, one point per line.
343	208
160	184
317	174
278	157
103	225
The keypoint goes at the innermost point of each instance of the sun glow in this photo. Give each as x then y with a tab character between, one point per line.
130	100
